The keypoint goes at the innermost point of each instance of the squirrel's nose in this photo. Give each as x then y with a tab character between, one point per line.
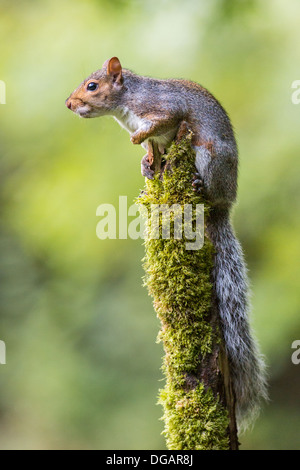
69	104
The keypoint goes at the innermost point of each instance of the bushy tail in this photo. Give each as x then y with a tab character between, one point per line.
230	279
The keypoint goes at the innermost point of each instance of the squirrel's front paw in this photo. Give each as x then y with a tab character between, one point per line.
198	185
146	167
136	138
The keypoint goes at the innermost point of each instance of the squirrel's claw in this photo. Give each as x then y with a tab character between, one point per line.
197	183
146	168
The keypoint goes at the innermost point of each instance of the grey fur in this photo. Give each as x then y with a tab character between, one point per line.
151	108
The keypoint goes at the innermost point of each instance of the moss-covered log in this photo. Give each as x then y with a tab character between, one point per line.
198	409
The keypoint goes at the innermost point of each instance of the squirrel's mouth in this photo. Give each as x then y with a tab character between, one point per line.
83	111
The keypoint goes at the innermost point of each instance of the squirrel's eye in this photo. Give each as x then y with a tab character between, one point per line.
92	86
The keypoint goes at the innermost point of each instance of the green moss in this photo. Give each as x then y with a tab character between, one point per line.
179	280
194	420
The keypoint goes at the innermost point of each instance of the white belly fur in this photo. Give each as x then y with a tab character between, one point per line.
128	120
131	122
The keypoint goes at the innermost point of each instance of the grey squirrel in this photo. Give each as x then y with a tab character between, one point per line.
152	108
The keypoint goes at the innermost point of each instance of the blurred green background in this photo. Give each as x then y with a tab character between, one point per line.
83	368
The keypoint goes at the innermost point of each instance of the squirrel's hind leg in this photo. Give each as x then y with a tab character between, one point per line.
147	160
218	170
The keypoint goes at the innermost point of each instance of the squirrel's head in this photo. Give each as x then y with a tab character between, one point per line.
99	93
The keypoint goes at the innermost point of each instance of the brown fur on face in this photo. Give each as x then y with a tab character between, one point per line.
92	103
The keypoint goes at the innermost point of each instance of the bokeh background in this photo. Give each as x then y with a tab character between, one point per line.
83	366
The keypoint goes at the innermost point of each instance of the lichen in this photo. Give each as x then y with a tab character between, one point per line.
179	280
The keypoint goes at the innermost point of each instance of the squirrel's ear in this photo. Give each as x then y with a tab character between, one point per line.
114	69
